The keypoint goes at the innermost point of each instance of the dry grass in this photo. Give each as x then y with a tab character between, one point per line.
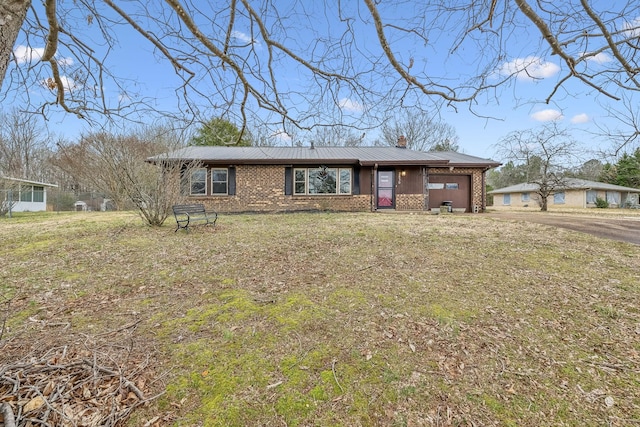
336	319
556	210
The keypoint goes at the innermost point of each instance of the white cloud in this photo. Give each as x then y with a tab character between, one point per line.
349	105
245	38
65	61
26	54
281	136
580	118
67	83
600	58
548	115
529	68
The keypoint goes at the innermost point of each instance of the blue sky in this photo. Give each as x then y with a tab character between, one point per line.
517	105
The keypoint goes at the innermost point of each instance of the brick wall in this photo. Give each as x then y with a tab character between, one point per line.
261	189
409	202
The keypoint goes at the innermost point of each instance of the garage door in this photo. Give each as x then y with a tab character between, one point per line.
450	188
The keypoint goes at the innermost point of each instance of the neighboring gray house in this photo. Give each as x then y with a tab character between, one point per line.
24	195
577	193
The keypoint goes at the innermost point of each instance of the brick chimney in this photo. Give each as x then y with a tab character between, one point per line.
402	142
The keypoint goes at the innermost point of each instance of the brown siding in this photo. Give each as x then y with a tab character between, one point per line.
476	190
365	181
411	183
460	197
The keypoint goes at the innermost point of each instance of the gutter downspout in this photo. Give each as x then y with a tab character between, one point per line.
425	189
483	206
374	187
483	202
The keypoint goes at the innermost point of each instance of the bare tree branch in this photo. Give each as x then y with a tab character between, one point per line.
401	70
314	64
548	153
631	72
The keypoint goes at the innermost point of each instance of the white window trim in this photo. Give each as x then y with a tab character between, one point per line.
226	170
306	182
31	190
24	191
37	189
191	193
613	197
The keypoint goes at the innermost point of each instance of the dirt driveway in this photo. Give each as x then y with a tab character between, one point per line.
622	228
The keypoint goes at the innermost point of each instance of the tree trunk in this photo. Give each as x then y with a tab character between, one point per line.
12	15
543	203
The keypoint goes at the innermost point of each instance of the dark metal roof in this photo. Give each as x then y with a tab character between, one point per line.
460	159
366	156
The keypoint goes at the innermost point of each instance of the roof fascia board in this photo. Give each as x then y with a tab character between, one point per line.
430	163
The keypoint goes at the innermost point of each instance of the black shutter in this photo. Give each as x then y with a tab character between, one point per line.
184	180
232	181
356	181
288	181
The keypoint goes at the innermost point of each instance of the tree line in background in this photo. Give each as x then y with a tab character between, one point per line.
624	172
109	171
358	61
423	133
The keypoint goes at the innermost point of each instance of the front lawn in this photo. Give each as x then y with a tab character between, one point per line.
320	319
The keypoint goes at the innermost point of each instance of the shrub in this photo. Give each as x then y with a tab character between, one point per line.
601	203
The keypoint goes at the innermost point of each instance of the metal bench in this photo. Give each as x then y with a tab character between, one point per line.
187	215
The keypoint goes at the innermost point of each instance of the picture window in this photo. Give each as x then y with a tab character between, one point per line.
322	181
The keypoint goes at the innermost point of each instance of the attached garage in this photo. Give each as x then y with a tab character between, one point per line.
450	188
249	179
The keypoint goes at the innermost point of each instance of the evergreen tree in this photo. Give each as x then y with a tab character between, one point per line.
219	131
625	172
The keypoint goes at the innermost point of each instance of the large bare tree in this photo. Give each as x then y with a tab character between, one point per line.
23	146
548	154
357	61
116	166
422	132
337	136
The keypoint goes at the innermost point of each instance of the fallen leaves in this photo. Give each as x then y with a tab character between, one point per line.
423	321
68	391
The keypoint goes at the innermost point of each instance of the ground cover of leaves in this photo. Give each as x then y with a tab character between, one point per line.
320	319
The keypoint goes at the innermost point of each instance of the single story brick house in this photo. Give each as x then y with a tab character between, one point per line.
24	195
576	193
282	179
